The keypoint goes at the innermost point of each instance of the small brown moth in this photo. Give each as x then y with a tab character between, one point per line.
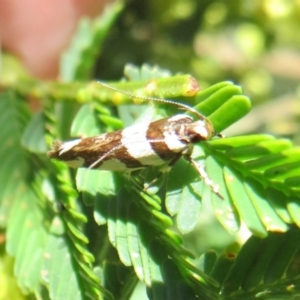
158	143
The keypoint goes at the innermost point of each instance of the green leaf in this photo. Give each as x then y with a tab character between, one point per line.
85	123
216	97
262	266
14	168
184	196
230	112
223	104
64	278
242	264
188	214
243	203
93	120
26	238
114	274
78	61
121	228
33	138
264	209
80	260
136	248
257	162
256	272
293	208
225	210
95	181
222	267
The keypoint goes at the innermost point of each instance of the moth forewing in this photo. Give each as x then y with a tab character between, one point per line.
137	146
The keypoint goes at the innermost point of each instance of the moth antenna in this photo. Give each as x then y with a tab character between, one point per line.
180	105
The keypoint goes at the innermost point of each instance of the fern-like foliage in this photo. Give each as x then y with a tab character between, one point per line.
263	268
21	205
91	234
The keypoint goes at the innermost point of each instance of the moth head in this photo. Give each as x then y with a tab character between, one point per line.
201	130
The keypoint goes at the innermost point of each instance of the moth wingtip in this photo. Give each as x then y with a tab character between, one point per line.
54	152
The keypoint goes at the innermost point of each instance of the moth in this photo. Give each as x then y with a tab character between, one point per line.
147	144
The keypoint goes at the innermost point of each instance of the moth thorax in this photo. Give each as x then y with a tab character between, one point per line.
200	130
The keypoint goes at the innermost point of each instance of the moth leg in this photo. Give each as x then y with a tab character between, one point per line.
163	170
152	182
204	176
95	163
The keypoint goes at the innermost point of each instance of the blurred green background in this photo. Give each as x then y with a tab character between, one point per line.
254	43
